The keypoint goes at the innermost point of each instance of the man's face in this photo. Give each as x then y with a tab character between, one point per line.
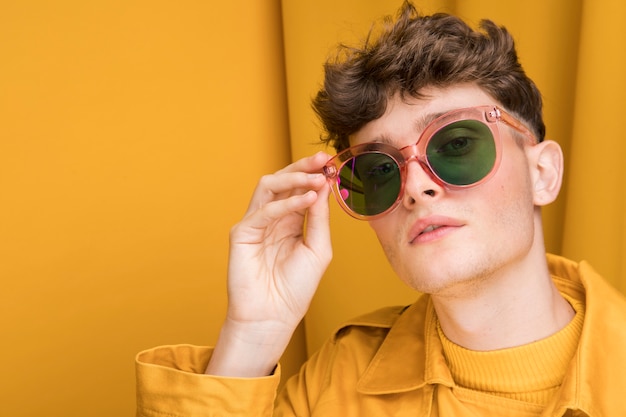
443	241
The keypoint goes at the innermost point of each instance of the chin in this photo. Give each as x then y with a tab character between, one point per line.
458	279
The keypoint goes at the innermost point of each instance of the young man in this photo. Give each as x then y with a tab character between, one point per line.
441	149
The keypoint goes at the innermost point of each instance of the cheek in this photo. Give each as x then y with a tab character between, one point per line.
512	183
387	234
380	227
510	206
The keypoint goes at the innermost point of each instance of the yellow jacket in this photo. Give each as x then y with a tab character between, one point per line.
378	365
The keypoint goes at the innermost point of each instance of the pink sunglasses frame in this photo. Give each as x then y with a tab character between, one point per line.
490	115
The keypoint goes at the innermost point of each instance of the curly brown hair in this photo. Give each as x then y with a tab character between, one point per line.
416	51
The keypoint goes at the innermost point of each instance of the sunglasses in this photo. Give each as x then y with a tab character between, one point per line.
458	149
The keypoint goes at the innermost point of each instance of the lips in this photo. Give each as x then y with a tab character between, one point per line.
431	228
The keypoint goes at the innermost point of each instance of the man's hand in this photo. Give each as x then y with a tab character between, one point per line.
278	254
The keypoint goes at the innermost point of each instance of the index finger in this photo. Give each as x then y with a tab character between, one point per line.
310	164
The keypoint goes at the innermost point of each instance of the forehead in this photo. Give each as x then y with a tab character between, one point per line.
406	117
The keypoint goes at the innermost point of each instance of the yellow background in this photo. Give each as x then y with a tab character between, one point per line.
133	132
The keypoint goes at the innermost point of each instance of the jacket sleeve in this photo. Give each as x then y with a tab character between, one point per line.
171	382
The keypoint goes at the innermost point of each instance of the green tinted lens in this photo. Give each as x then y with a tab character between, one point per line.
462	152
370	183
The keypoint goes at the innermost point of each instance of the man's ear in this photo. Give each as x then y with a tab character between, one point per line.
546	165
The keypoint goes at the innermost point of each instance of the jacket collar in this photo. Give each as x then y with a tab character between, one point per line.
421	360
592	382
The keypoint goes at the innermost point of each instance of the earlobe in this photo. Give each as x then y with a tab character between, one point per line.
547	167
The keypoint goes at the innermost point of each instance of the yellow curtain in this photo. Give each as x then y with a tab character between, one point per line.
595	214
133	132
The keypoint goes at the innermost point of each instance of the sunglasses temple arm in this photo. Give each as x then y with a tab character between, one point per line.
517	125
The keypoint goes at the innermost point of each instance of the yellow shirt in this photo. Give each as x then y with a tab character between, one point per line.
531	373
393	362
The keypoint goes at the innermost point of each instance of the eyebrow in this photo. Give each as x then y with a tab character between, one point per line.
418	126
422	122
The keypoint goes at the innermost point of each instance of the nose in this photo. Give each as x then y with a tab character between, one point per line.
420	186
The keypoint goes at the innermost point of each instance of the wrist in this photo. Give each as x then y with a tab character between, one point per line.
248	350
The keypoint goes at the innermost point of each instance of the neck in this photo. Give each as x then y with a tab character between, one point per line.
511	308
